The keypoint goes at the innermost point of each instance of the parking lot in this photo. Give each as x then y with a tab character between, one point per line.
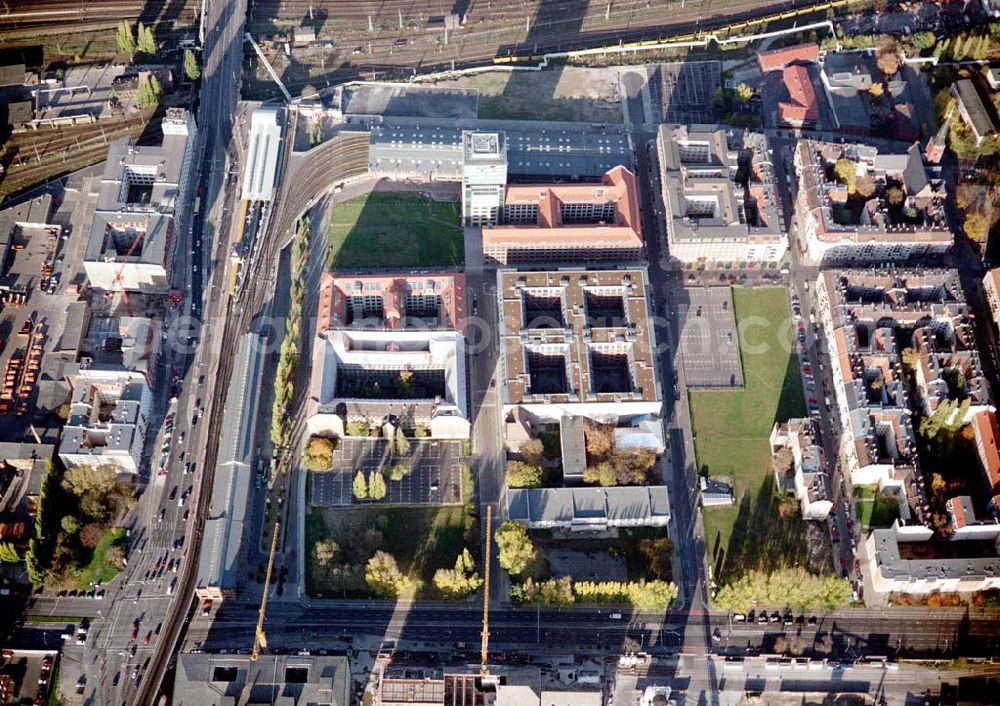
709	341
435	477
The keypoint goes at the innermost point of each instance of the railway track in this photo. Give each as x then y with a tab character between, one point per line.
24	18
502	34
78	145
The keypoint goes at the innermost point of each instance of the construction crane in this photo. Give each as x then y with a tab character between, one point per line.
121	271
484	669
260	640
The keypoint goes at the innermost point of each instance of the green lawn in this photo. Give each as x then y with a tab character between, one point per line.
423	540
872	511
98	569
394	230
731	439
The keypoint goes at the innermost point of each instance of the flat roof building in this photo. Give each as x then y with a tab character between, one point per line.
222	552
590	509
26	220
122	343
236	680
432	149
108	418
484	176
567	223
390	347
578	343
142	204
722	203
263	154
899	215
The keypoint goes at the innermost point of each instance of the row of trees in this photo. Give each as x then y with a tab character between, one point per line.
372	488
140	41
794	587
288	361
644	595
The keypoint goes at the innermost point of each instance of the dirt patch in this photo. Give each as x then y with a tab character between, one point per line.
560	94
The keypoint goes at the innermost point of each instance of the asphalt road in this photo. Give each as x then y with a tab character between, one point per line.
152	610
892	632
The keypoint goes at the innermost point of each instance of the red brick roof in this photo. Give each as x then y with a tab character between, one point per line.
803	106
987	435
780	58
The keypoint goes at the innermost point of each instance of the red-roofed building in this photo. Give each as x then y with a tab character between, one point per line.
960	510
555	223
987	435
801	110
778	59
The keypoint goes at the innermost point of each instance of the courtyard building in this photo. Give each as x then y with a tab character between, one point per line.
857	205
390	349
721	198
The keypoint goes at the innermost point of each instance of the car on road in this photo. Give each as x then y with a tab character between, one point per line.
81	683
163	513
206	607
135	634
149	636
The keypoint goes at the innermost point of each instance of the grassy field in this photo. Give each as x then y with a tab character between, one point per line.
731	430
394	230
98	569
423	539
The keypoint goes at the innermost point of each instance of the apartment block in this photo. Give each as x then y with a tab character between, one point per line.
578	343
919	564
390	349
810	481
883	328
870	317
722	203
143	203
109	415
859	206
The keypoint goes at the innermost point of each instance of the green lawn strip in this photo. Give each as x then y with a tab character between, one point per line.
53	686
732	428
394	230
314	531
98	570
866	508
